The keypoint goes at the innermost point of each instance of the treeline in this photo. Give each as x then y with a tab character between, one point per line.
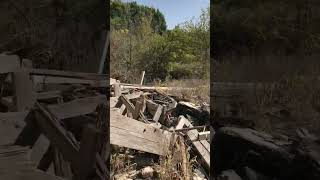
141	42
279	27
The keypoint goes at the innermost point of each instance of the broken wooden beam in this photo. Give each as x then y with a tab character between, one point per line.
201	146
130	108
68	74
77	107
137	135
158	113
204	135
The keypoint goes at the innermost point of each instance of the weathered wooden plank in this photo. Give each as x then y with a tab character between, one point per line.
127	103
202	147
130	108
40	81
142	77
133	134
138	107
24	96
77	107
204	135
68	74
158	113
9	102
117	90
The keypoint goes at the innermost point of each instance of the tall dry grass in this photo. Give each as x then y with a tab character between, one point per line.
290	96
194	90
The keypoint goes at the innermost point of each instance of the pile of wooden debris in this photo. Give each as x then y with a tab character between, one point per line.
159	136
53	124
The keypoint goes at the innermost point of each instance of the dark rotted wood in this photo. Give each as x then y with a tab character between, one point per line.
239	147
200	113
46	159
61	166
90	144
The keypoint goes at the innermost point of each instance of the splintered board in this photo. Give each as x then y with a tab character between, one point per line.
137	135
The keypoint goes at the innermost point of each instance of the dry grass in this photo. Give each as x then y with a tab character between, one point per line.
169	167
196	90
291	85
300	96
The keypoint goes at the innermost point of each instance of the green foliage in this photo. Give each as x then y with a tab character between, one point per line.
129	15
179	53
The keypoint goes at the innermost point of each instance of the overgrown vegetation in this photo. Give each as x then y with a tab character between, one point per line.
141	42
272	42
55	34
265	40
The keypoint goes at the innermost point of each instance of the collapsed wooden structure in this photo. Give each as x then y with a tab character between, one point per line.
54	121
156	121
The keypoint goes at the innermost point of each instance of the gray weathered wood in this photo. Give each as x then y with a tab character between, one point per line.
68	74
77	107
158	113
137	110
204	135
24	96
41	81
130	108
142	77
202	146
133	134
117	90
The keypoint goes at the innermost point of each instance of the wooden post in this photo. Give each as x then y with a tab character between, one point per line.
158	113
137	109
142	77
24	96
117	90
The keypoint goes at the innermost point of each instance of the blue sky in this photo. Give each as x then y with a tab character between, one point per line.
176	11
